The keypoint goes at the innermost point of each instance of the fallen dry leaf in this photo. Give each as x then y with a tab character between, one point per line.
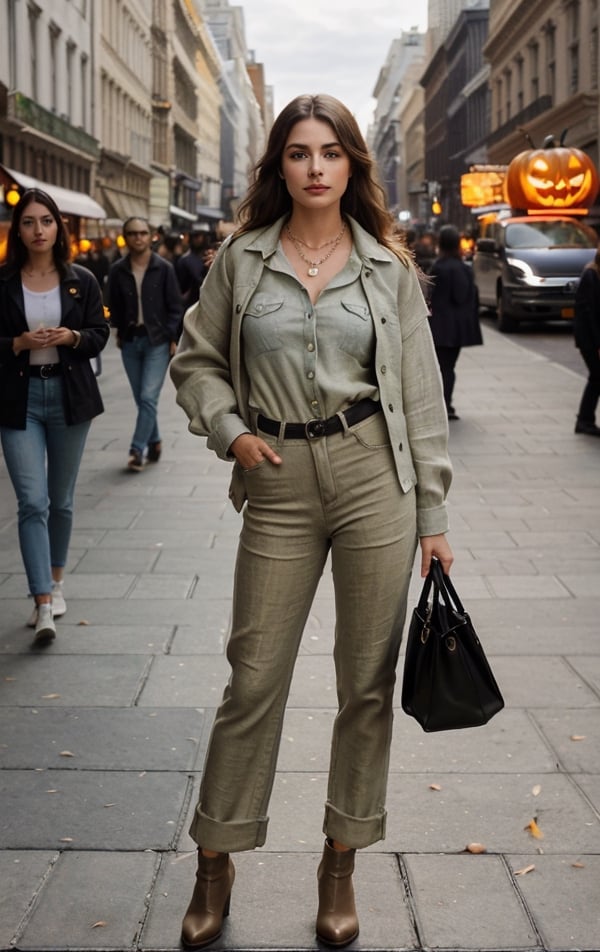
434	786
49	697
83	622
475	848
536	790
99	924
106	805
578	865
66	839
578	737
525	870
66	753
534	830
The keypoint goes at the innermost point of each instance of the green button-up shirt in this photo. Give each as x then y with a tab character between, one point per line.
213	386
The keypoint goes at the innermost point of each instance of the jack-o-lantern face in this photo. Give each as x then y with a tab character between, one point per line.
551	178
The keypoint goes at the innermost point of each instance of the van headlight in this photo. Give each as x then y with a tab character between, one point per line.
523	272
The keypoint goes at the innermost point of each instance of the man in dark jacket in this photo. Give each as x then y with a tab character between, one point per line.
146	310
454	304
191	267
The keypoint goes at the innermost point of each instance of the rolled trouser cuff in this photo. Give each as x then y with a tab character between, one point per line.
231	837
352	831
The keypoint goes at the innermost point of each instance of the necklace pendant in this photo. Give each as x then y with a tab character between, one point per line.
312	272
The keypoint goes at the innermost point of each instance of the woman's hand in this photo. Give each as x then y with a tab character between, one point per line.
435	545
250	450
60	336
32	340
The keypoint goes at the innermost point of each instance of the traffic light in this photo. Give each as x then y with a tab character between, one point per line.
436	208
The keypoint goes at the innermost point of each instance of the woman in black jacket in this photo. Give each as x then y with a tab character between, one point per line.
587	339
454	307
51	324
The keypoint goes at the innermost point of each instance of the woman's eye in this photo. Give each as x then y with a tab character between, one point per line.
298	155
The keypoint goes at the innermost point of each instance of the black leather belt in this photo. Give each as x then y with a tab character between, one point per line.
45	371
313	429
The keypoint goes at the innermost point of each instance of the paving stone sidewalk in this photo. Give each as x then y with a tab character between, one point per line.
102	735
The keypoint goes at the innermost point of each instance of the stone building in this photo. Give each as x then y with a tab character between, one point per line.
47	131
543	57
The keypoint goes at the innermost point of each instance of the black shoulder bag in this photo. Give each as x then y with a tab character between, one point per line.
447	682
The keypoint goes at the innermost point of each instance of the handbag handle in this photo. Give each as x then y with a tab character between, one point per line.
445	587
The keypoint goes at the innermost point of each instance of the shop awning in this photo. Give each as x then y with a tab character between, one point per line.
205	211
69	202
182	213
122	206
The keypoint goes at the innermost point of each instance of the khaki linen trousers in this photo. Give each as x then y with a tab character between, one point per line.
341	494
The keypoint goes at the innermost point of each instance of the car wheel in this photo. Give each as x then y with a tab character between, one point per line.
507	322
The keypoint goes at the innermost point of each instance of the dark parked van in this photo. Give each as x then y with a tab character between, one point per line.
528	268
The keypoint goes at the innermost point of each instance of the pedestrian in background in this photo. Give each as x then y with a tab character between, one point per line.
313	313
587	339
191	267
51	324
454	304
146	310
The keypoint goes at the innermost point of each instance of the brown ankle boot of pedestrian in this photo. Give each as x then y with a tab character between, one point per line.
203	921
337	922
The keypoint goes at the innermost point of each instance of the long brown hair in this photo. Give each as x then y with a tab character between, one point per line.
16	252
268	198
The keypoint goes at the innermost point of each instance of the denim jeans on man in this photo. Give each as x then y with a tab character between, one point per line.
146	366
43	462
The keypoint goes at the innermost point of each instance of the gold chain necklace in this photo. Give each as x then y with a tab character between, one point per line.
39	274
293	237
313	269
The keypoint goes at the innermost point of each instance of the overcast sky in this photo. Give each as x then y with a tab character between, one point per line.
327	46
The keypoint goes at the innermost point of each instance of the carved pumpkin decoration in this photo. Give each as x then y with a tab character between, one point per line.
554	177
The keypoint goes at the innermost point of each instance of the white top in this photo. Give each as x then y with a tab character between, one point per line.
42	309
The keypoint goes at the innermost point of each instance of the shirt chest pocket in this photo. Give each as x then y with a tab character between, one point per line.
357	331
261	327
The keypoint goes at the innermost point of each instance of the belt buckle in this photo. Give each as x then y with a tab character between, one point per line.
314	428
45	371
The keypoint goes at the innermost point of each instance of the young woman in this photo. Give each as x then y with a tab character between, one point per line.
51	324
308	360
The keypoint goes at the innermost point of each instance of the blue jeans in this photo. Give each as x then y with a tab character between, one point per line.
43	461
146	367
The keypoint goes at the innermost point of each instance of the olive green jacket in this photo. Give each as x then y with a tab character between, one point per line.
212	386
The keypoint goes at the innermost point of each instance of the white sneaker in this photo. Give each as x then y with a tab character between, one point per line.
32	620
45	629
59	606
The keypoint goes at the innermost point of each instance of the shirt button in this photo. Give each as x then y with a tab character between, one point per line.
311	347
391	407
383	369
310	375
259	308
400	447
383	320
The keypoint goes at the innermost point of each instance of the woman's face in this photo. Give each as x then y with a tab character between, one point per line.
314	165
38	229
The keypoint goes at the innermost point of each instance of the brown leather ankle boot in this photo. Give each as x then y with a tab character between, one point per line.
337	922
203	921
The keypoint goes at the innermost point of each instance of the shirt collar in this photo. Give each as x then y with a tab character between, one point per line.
367	247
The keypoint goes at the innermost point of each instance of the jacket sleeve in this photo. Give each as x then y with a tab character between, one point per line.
201	368
173	304
94	327
424	410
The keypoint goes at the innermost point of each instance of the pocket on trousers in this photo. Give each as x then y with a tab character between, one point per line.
372	433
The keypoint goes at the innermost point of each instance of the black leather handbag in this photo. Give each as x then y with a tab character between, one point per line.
447	681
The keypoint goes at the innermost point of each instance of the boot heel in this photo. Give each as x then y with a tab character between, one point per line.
337	922
226	907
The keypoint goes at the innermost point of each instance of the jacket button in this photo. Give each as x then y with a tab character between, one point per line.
383	320
238	308
400	447
391	407
383	369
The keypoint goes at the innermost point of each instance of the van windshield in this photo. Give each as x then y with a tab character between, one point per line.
549	234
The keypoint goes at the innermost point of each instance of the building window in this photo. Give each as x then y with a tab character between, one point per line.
498	103
70	79
12	45
54	34
534	70
83	78
507	94
573	30
519	81
33	14
550	31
